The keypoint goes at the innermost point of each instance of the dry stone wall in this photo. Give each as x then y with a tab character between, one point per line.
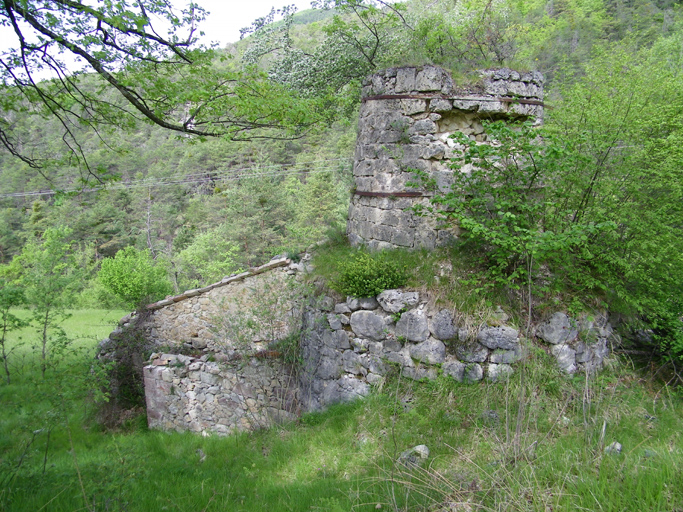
406	118
207	377
355	343
195	394
210	377
195	319
346	347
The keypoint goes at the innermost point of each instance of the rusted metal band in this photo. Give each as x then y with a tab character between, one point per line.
388	194
504	99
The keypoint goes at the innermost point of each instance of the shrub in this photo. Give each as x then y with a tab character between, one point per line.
133	277
367	275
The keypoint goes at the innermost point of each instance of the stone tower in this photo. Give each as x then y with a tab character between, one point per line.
406	118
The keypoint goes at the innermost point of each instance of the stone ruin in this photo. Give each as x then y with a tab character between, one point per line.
199	380
406	118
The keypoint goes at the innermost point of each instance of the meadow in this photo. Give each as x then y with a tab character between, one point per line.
540	441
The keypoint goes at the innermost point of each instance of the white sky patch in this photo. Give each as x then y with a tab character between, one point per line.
227	17
222	25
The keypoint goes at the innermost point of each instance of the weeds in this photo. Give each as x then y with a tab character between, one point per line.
551	457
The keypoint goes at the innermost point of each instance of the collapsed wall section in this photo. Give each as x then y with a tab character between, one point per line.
407	116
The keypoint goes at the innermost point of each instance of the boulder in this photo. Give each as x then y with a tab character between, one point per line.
367	324
455	369
503	337
393	301
471	352
558	329
432	351
442	327
413	326
565	356
496	372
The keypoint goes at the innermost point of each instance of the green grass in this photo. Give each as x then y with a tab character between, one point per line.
344	459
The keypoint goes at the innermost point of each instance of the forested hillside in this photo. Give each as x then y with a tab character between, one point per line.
203	206
162	166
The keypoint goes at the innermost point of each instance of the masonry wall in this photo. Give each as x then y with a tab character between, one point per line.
196	319
188	393
206	378
406	118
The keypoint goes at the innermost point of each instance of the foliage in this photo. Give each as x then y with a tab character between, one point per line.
592	202
11	297
505	199
346	457
473	35
209	258
367	275
144	64
133	276
49	276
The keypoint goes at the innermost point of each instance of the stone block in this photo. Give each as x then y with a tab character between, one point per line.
497	372
558	329
500	356
403	238
434	151
473	373
565	356
422	127
471	352
432	351
503	337
351	363
440	105
441	326
393	301
455	369
368	303
413	326
430	78
368	325
412	106
405	80
364	168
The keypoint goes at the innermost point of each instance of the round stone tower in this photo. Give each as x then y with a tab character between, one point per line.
406	118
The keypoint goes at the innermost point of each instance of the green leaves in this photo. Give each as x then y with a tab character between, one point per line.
133	277
368	275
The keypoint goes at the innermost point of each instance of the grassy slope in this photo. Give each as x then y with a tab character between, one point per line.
344	458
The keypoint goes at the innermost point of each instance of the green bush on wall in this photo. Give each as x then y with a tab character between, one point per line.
366	275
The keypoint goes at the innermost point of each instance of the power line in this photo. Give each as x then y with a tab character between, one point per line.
175	180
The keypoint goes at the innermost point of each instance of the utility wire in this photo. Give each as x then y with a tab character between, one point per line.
228	175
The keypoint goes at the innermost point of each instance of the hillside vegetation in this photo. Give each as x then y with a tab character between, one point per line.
588	220
489	449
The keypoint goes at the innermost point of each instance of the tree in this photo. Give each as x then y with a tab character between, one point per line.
132	276
359	38
11	296
129	72
595	198
49	277
208	258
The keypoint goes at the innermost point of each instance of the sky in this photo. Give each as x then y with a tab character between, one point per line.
229	16
222	25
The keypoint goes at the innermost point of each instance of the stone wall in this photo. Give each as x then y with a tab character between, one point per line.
195	319
346	347
220	371
356	342
187	393
406	118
